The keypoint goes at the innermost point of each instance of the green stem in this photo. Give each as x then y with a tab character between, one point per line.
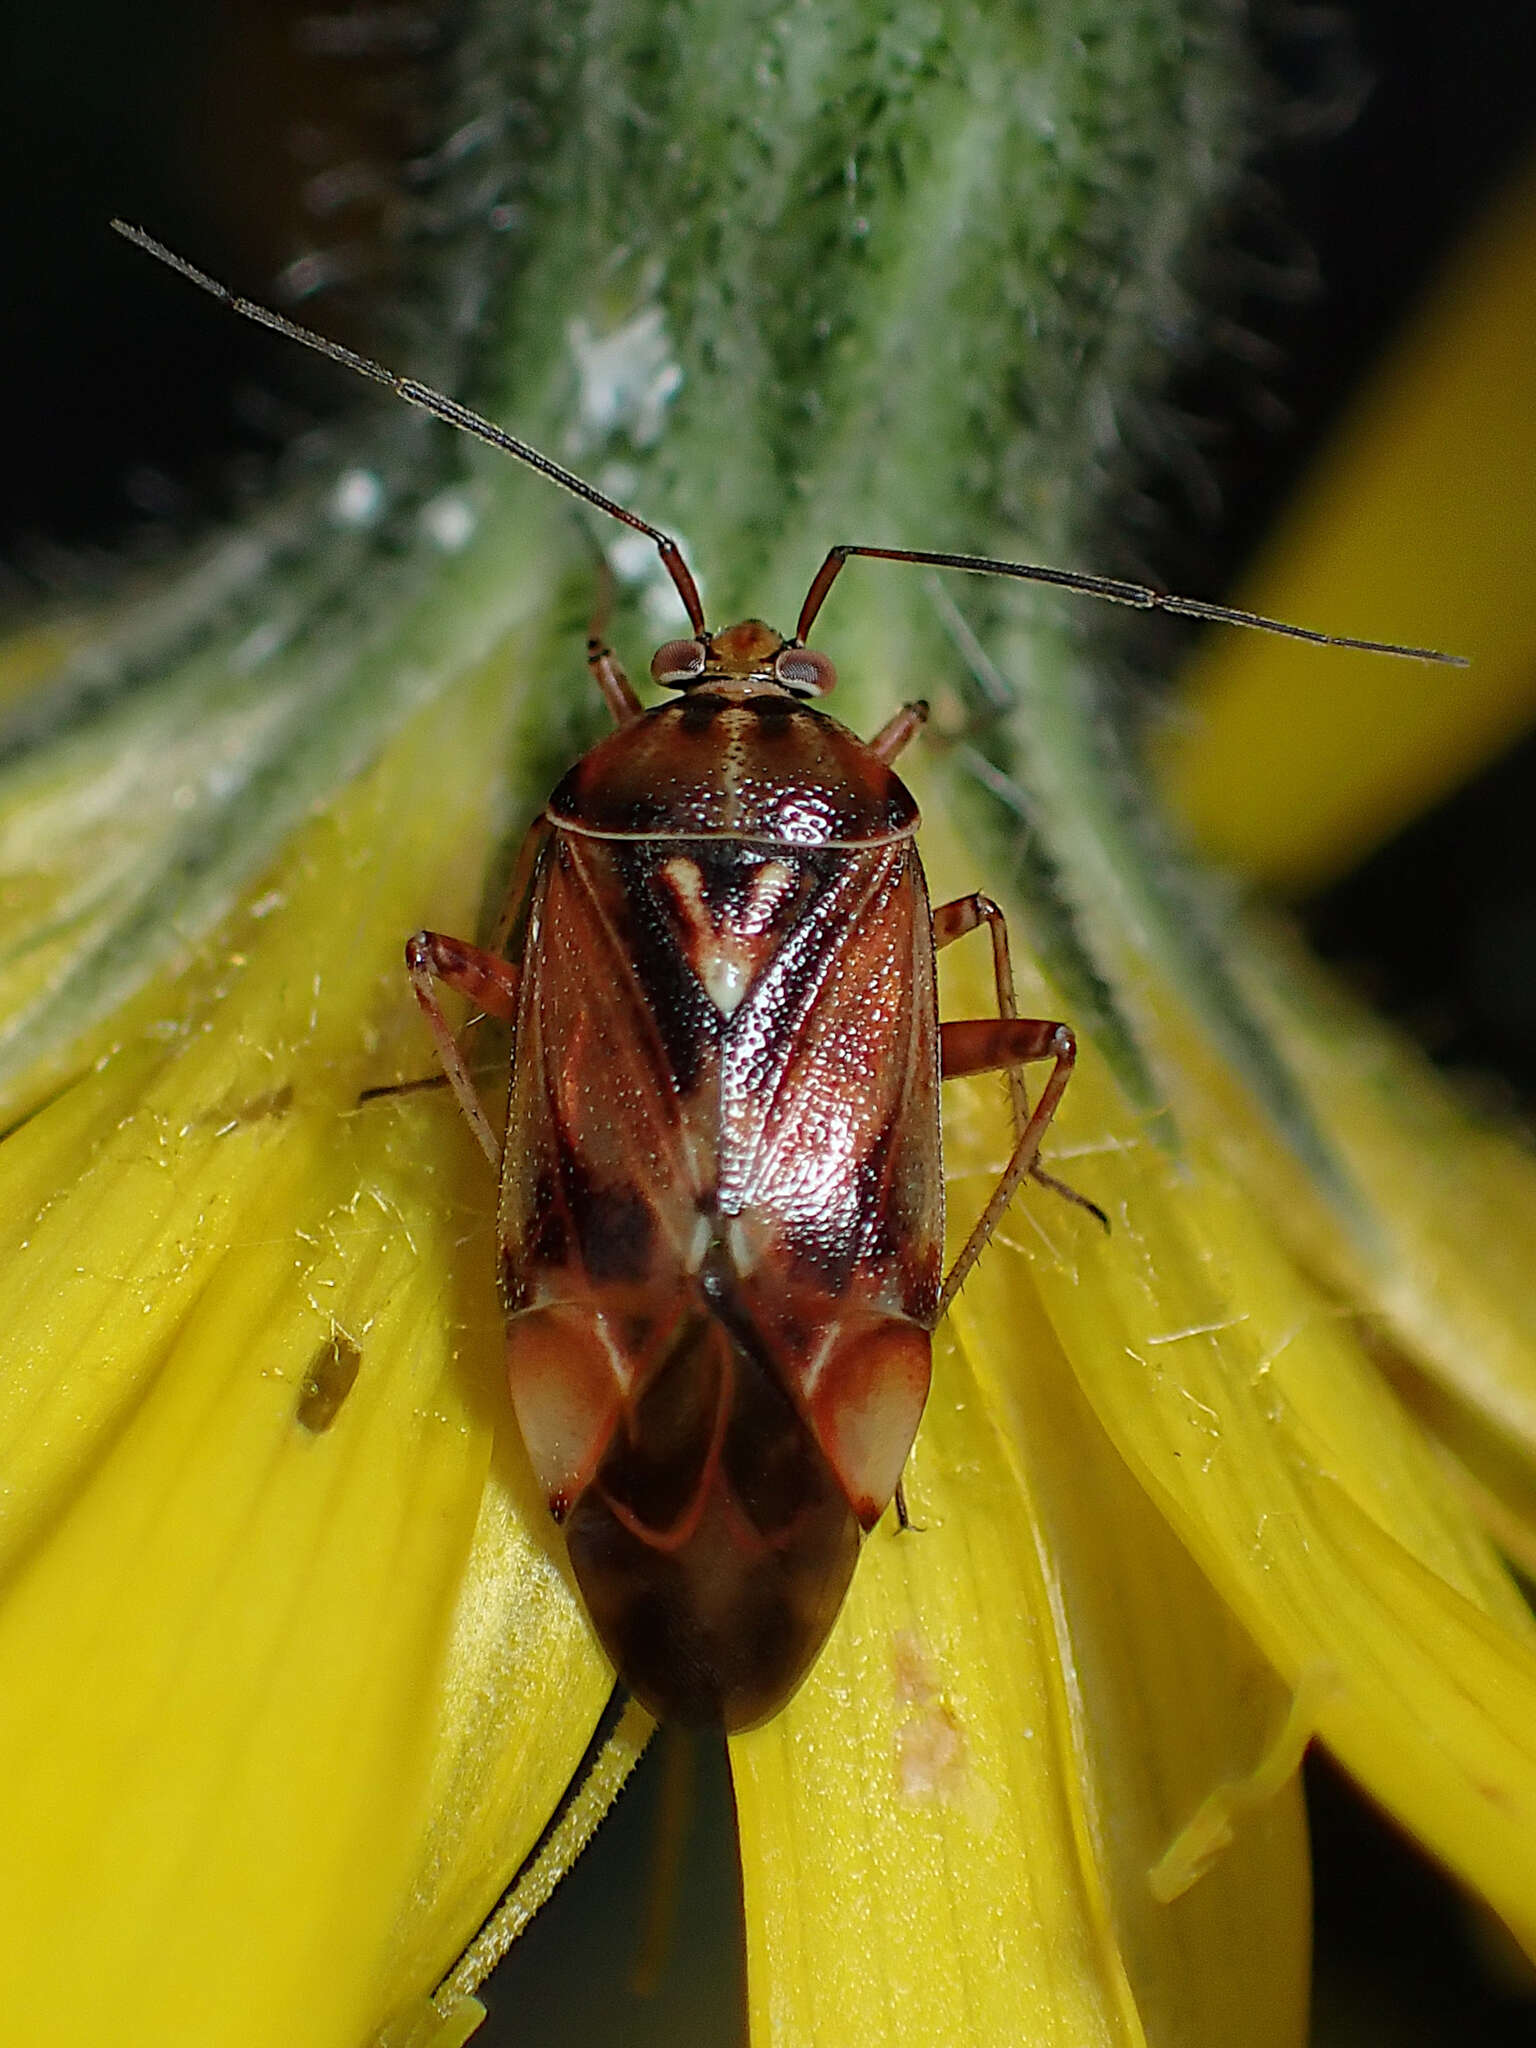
782	275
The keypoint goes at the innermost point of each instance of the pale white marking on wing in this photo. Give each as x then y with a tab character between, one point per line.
742	1250
725	961
770	885
703	1238
816	1364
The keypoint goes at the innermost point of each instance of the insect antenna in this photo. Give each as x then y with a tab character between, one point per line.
1141	596
443	408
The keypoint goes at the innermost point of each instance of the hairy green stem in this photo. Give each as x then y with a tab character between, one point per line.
779	275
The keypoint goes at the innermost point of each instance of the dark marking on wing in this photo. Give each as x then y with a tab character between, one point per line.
614	1226
806	1037
826	1251
768	1453
549	1237
635	1334
763	1043
769	1456
728	877
657	1461
686	1020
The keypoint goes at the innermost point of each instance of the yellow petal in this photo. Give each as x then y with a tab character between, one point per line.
912	1842
1421	510
253	1397
1311	1504
1418	524
1242	1401
1495	1474
1450	1262
524	1686
451	2012
951	1831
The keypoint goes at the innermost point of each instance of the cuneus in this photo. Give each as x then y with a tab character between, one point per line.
721	1215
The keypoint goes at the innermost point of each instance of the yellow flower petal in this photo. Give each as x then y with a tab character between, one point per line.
1309	1502
451	2013
912	1846
1046	1690
1450	1263
288	1647
236	1568
1418	524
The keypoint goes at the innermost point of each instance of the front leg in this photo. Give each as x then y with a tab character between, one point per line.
488	981
608	673
900	729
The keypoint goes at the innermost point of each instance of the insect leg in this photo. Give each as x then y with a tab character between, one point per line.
607	669
417	1087
982	1045
905	725
487	980
904	1521
608	672
952	921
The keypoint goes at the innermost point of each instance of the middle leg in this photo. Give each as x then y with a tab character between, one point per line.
979	1046
983	1045
952	921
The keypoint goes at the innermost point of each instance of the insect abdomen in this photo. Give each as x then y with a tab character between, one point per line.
715	1544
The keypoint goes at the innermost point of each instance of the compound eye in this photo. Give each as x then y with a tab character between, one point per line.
678	662
804	671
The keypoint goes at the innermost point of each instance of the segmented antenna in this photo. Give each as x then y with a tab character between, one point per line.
1141	596
434	402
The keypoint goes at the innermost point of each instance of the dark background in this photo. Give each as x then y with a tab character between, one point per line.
132	418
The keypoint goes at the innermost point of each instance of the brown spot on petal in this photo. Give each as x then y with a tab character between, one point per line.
931	1760
930	1755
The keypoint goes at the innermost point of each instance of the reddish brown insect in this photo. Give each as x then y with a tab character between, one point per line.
721	1204
721	1213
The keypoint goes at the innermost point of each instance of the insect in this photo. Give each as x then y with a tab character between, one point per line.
721	1209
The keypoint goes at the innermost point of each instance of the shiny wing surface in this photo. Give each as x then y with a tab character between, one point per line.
831	1168
601	1188
829	1092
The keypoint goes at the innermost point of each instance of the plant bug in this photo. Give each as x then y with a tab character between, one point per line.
721	1214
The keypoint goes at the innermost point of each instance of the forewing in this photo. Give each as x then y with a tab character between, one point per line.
829	1087
831	1153
603	1167
612	1039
